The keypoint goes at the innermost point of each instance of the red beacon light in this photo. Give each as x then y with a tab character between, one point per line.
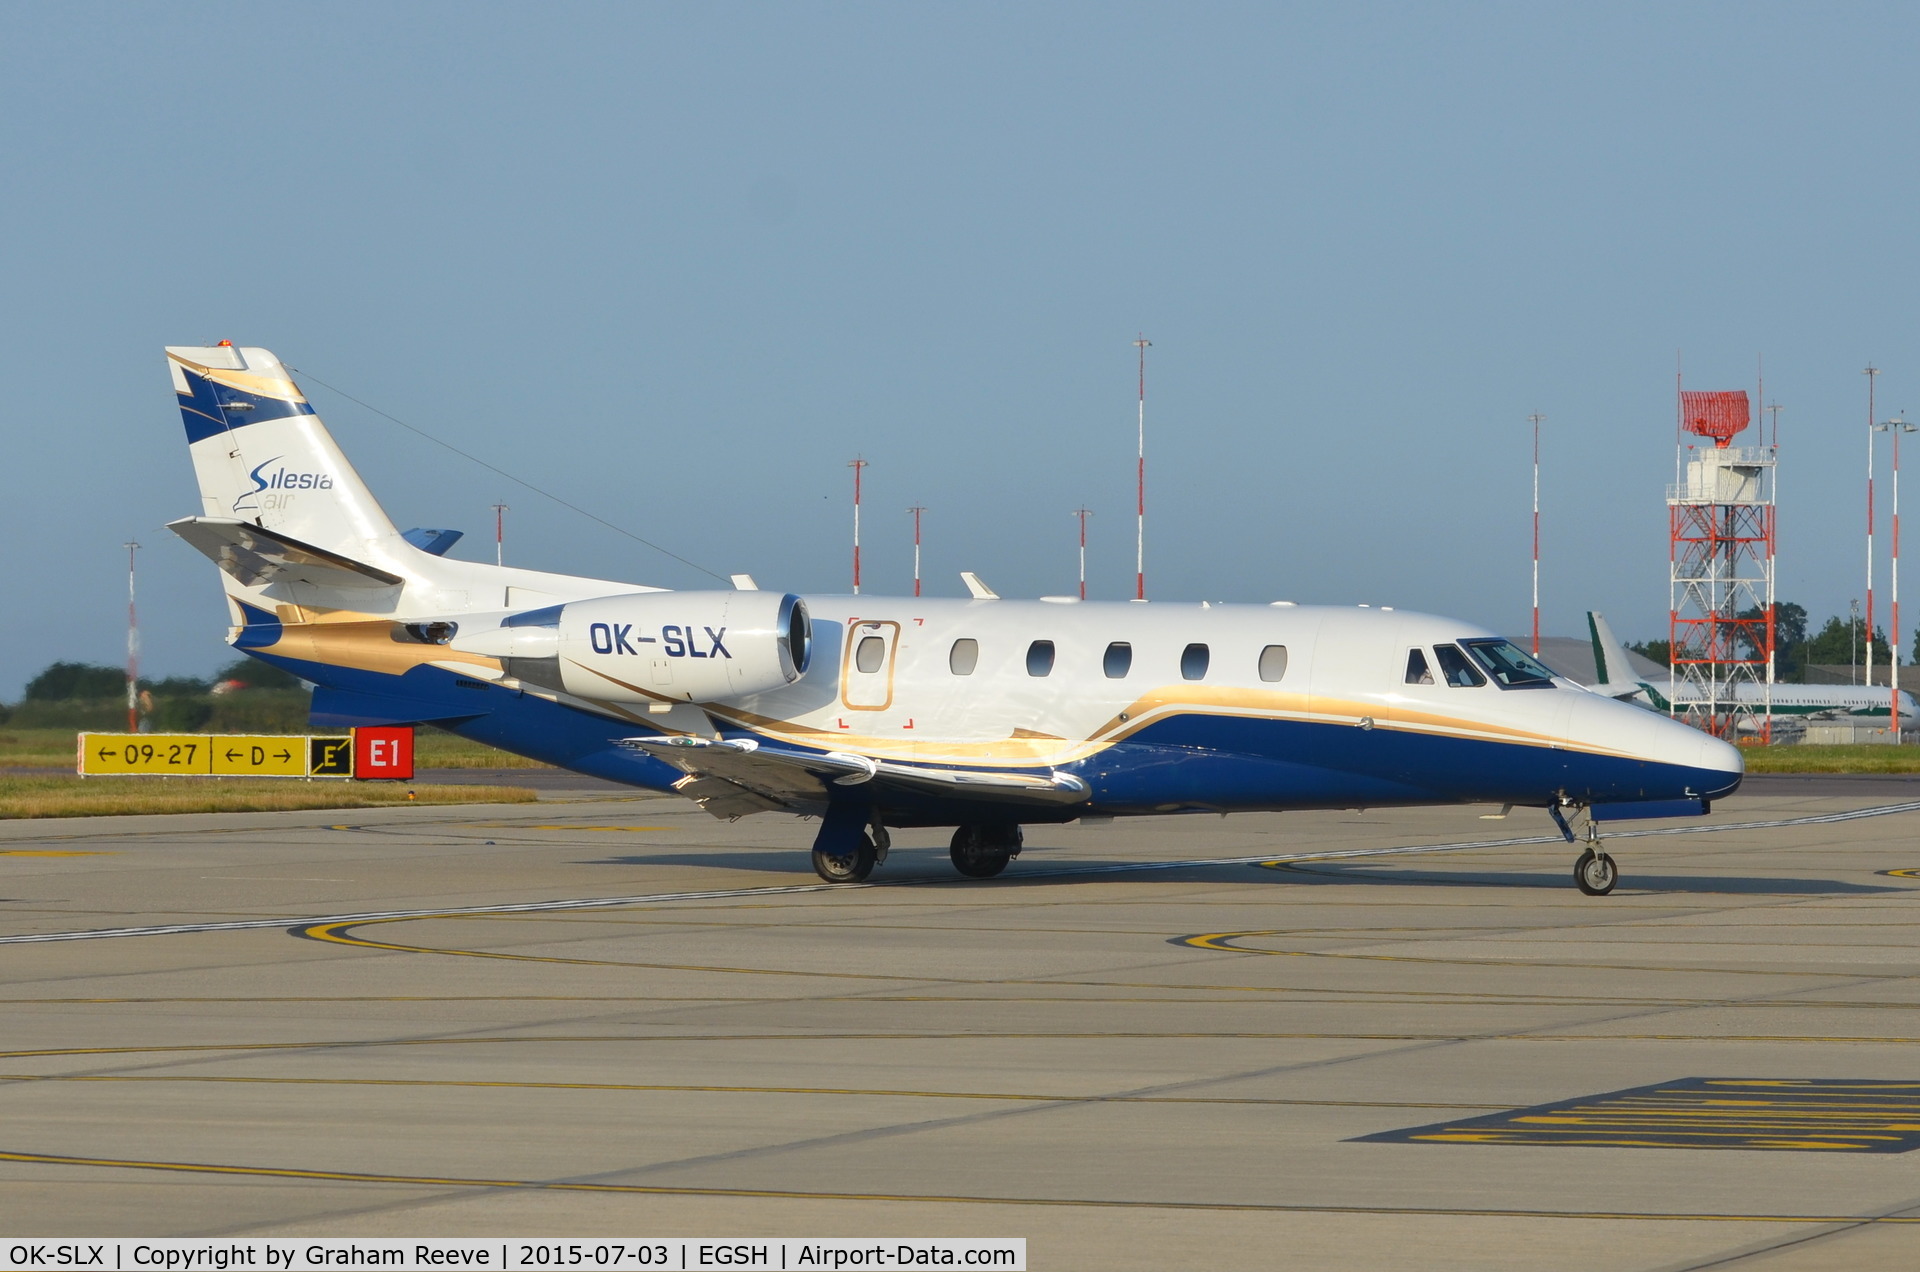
1716	415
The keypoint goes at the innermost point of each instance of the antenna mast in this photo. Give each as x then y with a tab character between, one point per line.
499	534
1140	531
916	510
1873	374
856	465
1535	419
1083	514
133	647
1897	425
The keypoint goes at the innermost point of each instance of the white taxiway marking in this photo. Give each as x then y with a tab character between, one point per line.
1056	872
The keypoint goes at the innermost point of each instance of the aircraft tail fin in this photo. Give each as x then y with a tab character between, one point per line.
1617	677
263	457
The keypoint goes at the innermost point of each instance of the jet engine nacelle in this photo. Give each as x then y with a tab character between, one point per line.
655	646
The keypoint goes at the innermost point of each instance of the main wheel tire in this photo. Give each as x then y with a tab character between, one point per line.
979	863
1595	873
849	865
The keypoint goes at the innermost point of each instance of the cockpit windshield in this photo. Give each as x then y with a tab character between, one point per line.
1509	665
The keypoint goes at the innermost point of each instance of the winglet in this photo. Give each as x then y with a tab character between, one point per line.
743	583
980	591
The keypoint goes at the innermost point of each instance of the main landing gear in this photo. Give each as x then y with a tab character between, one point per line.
852	841
981	852
1594	873
850	844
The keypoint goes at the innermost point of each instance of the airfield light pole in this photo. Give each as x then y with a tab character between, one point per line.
133	647
1853	624
856	465
1535	419
1897	425
1083	514
500	534
916	510
1140	528
1872	373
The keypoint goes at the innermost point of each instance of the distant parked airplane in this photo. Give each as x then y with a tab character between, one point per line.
875	713
1864	703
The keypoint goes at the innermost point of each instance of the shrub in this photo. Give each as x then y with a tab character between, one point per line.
180	715
255	674
67	680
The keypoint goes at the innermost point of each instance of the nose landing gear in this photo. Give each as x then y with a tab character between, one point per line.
1594	873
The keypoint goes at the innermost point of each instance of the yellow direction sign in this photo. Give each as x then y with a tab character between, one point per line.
245	755
165	754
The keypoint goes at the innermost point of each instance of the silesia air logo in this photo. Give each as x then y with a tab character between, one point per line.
274	489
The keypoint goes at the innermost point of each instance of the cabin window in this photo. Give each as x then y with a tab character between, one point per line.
1273	662
1455	669
870	654
1118	661
1193	662
964	656
1508	665
1040	658
1418	673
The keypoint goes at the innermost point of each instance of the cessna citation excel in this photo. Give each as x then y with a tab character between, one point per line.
877	713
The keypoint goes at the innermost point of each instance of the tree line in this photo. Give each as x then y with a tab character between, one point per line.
243	694
1841	642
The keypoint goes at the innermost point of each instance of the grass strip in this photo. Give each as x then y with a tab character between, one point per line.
1832	759
63	796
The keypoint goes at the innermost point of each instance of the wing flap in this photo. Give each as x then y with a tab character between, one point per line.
731	776
257	557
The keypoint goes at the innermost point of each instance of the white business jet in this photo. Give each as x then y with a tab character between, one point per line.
876	713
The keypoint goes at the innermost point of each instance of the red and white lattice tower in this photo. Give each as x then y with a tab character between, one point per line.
1721	619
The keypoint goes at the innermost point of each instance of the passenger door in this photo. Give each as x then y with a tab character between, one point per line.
866	665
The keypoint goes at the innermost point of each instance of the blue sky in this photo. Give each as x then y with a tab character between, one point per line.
680	264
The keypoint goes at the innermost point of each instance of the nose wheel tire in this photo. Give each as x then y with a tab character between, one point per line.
845	865
1595	873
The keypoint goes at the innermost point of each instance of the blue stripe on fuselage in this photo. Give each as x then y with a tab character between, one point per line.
1243	763
1187	762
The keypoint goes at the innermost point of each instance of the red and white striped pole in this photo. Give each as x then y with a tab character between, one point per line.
856	465
916	510
133	647
1083	514
1140	530
1897	425
1536	418
1872	373
500	534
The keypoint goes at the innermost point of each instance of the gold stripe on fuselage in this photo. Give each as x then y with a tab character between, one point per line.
345	638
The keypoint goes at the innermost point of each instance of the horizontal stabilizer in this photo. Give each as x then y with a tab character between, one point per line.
740	775
257	557
434	542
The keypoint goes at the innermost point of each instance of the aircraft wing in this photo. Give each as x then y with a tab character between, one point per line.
733	777
257	557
